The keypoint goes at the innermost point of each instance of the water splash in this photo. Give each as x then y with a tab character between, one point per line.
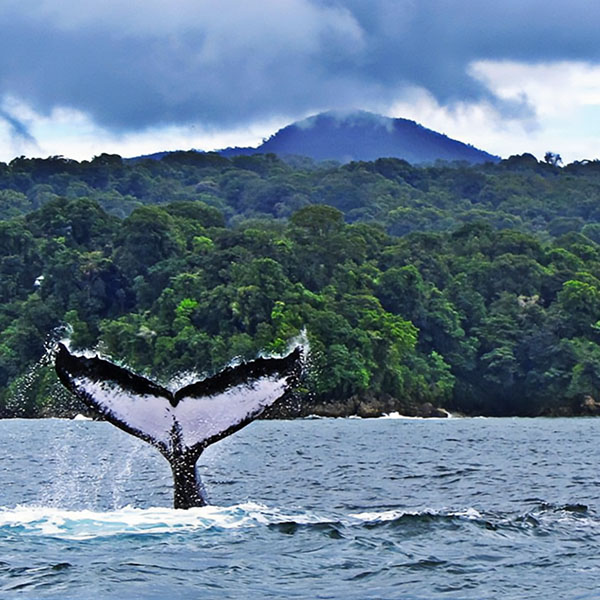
88	524
85	524
39	380
397	415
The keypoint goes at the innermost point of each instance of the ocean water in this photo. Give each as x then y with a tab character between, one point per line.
322	508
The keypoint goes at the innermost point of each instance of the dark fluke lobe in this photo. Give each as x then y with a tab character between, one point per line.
180	424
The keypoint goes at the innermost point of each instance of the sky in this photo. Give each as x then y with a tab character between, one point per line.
82	77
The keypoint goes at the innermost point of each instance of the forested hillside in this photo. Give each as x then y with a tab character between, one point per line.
476	288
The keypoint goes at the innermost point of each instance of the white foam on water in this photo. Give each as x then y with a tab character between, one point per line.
81	417
46	521
89	524
397	415
468	513
392	515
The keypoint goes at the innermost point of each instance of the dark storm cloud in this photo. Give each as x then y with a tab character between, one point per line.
140	63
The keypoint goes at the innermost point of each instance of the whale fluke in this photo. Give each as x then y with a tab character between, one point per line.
180	424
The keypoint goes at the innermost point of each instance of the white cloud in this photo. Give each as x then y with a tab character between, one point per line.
73	134
564	95
557	90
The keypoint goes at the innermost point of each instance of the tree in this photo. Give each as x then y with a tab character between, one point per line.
552	159
146	237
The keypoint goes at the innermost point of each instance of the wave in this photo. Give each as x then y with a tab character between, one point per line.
89	524
391	415
397	415
86	524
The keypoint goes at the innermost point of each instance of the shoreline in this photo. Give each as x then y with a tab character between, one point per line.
365	406
395	416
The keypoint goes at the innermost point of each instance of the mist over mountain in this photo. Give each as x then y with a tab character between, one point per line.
360	135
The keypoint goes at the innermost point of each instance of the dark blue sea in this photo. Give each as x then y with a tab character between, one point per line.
322	508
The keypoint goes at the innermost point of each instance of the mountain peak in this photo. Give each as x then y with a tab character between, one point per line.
347	135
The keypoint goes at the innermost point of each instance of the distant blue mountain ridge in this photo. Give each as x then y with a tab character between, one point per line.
346	136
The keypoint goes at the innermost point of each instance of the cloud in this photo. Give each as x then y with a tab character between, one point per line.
74	134
138	66
17	128
566	96
556	88
16	136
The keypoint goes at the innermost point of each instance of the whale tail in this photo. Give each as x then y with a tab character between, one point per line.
183	423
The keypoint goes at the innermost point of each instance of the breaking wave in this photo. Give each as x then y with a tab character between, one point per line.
89	524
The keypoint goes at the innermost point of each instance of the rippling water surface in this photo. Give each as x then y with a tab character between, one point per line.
327	508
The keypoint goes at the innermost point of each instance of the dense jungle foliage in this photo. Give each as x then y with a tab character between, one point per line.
476	288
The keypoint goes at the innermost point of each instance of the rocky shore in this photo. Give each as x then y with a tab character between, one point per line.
365	405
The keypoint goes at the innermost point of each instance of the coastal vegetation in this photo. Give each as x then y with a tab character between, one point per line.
475	288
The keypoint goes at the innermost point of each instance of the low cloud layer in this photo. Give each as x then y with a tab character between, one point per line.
16	127
150	63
